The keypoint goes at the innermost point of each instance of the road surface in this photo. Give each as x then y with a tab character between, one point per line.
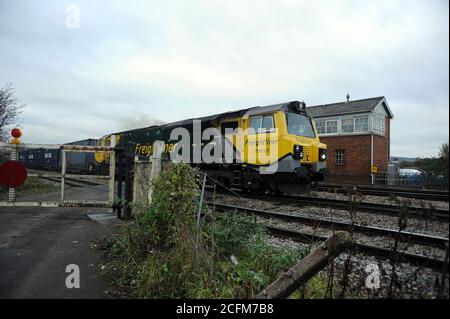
36	245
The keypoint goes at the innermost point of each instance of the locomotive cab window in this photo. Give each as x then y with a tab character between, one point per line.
299	125
262	124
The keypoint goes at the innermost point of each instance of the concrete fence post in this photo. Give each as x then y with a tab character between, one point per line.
144	172
299	274
158	149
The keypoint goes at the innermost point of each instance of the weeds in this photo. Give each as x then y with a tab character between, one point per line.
36	185
155	256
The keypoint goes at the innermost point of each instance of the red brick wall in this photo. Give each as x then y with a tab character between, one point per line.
357	150
380	150
357	154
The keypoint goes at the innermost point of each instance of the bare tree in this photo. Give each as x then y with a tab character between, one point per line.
10	108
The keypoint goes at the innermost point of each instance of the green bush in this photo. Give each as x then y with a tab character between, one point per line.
232	232
175	196
156	257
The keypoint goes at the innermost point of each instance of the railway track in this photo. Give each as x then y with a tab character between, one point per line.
56	177
71	181
381	252
422	239
82	182
417	238
385	191
429	213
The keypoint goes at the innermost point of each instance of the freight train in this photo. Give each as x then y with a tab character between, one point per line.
50	159
272	148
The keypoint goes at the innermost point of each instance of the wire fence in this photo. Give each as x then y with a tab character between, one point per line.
413	181
57	173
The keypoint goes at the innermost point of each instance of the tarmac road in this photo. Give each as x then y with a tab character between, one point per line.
36	245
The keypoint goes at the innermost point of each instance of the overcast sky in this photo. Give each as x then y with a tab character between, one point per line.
131	63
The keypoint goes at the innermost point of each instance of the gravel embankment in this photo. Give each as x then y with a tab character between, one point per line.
385	200
412	281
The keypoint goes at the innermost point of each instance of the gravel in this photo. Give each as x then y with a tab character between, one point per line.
378	241
384	200
412	281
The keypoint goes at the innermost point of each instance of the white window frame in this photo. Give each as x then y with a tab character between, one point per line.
337	126
378	125
340	129
368	124
323	127
339	158
353	125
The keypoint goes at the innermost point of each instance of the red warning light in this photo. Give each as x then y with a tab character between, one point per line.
16	133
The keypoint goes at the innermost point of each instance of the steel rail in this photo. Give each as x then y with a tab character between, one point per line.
401	256
71	182
427	213
382	209
376	191
410	237
384	187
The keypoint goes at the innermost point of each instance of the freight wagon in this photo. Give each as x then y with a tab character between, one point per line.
79	162
50	159
41	158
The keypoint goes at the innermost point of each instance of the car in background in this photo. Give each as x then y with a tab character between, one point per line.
410	172
411	176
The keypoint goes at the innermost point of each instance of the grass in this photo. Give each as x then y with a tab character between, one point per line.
36	185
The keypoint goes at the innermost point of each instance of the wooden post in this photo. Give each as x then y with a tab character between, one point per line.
299	274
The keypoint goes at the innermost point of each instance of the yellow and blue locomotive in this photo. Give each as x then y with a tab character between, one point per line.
266	148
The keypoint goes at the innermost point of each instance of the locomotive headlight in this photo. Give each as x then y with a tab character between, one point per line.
322	154
298	152
297	106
